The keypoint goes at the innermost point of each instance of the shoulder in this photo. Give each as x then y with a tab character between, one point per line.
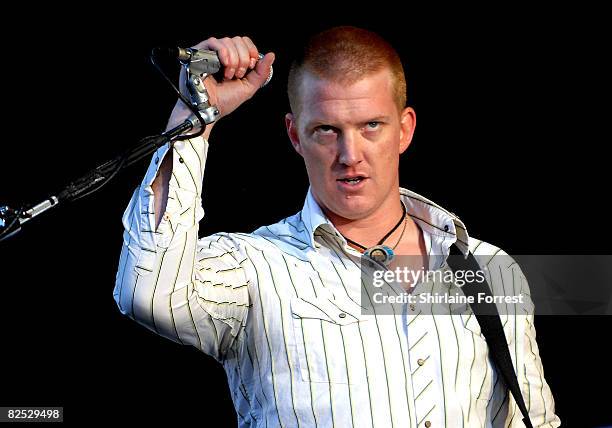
288	232
285	235
503	272
479	247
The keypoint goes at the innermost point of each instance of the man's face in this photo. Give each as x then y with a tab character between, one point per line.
351	131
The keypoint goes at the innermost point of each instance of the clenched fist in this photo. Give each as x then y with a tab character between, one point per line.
244	74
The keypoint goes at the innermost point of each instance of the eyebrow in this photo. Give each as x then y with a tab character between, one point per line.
379	119
319	122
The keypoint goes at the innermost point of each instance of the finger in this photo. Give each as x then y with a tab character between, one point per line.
243	56
211	44
214	44
253	52
232	65
258	76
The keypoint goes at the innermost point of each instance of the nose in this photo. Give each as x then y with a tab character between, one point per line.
349	152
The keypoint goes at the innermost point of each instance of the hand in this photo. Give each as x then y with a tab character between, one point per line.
243	76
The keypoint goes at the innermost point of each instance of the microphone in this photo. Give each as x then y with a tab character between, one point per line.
202	61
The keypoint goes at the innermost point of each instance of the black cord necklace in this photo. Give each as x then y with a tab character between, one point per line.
379	252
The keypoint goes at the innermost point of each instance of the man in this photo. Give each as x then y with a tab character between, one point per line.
280	307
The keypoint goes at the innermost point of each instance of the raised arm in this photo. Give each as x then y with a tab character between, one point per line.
243	75
198	299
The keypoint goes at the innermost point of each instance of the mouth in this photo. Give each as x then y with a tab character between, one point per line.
352	181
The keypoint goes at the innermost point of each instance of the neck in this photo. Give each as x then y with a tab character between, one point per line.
369	229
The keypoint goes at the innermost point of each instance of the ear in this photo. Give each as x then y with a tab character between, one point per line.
292	132
407	125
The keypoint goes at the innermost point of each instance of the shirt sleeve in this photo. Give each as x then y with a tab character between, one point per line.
189	291
536	392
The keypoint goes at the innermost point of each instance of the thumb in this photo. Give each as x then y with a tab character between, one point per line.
260	73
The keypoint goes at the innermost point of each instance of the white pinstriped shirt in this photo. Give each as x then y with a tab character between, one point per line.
279	308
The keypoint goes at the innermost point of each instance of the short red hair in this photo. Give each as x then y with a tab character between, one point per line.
346	55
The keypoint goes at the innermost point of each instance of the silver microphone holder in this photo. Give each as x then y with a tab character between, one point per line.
199	64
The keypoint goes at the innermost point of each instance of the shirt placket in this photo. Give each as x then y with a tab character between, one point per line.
424	361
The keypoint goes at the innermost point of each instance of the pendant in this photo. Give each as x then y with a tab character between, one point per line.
380	253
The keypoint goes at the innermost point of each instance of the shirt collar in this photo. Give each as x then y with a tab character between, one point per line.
429	216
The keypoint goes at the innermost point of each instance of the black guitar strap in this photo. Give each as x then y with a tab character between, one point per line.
491	327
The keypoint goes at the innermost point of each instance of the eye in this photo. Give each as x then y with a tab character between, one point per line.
373	125
325	130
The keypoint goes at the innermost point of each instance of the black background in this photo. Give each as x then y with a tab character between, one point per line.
509	117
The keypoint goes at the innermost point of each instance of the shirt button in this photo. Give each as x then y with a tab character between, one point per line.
420	361
446	227
427	424
181	160
167	217
317	245
342	315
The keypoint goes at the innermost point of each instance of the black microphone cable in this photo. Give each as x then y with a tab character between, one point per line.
156	52
105	173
